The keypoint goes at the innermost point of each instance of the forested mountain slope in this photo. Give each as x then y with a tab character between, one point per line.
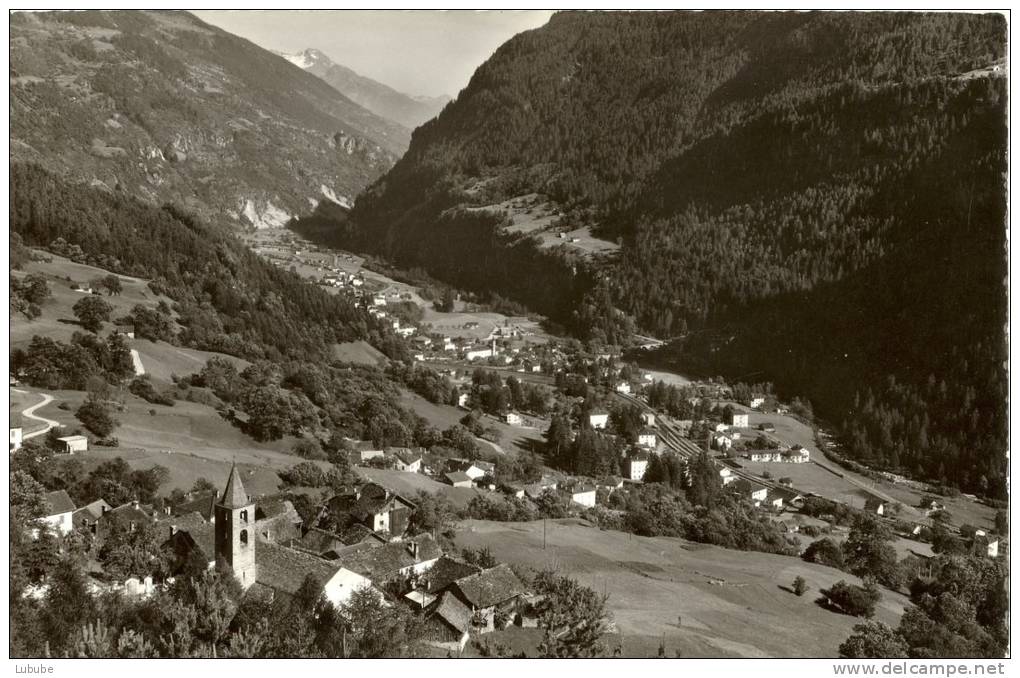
165	107
381	99
815	197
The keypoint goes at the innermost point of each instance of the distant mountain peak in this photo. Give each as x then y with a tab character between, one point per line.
381	99
308	58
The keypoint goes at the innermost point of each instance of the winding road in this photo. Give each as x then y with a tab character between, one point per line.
29	413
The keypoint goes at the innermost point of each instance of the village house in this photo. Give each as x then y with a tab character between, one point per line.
72	444
757	402
86	518
363	450
458	479
583	494
635	466
405	459
610	484
726	476
721	442
764	455
473	469
984	545
796	455
492	591
480	353
462	400
448	623
129	516
721	427
598	420
513	419
17	438
623	387
371	506
647	438
648	418
381	563
756	492
59	509
738	420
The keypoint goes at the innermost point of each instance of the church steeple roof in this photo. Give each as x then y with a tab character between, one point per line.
234	495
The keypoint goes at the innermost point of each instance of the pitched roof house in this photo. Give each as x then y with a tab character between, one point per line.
497	588
59	510
371	505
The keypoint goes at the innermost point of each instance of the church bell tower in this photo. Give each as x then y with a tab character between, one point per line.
235	529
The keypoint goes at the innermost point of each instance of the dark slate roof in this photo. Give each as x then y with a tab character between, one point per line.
128	512
203	539
446	571
489	587
318	541
380	562
234	495
370	500
93	511
284	569
453	612
274	508
404	454
203	504
59	502
188	522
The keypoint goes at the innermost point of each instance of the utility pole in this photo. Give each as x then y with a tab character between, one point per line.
543	534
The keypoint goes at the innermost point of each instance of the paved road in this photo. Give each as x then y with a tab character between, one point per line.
29	413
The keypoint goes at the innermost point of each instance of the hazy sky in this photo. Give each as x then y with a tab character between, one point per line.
417	52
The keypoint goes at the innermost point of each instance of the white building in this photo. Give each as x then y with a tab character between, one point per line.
72	444
727	476
757	402
584	495
648	418
647	438
462	400
635	466
479	354
623	387
16	438
59	511
738	420
513	419
722	442
598	420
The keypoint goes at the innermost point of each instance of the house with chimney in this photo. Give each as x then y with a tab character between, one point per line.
59	510
371	506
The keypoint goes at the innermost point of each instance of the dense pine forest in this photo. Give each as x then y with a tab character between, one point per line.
816	198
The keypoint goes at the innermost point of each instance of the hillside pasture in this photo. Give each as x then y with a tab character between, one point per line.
58	320
705	601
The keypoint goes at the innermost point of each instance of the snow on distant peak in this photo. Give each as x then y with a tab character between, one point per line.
305	59
299	60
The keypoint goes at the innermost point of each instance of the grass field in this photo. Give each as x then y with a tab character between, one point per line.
728	603
161	360
57	320
360	352
185	469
